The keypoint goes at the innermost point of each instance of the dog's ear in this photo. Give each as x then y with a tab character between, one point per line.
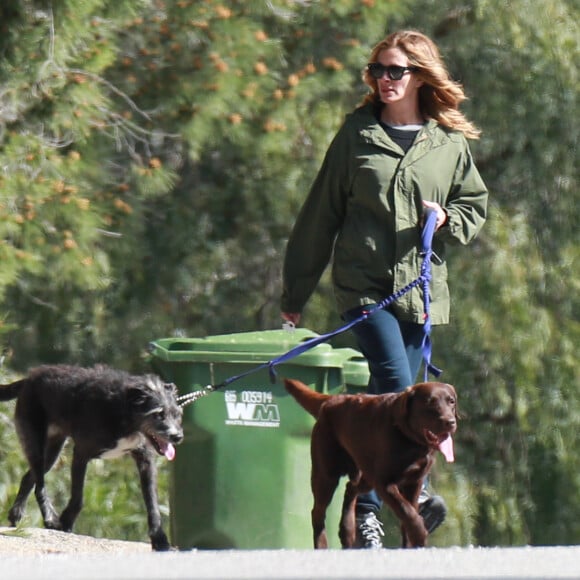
401	406
458	415
171	388
139	396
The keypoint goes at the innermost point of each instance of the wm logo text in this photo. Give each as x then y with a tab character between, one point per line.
251	409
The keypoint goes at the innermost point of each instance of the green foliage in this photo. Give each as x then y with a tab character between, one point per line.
515	303
153	157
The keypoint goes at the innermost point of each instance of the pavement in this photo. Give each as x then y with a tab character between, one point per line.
433	563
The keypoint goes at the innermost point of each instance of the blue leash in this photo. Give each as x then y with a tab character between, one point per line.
427	254
426	347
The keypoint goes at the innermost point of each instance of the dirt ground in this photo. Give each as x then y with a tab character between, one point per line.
41	541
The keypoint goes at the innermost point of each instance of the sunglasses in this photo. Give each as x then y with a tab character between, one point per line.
394	72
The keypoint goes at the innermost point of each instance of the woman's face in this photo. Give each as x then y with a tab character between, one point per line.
404	90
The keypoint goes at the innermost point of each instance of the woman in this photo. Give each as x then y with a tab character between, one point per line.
402	151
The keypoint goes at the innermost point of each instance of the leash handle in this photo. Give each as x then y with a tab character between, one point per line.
429	224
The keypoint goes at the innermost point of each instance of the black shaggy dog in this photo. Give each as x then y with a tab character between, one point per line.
107	413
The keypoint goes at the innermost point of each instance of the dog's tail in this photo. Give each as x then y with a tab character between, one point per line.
306	397
9	392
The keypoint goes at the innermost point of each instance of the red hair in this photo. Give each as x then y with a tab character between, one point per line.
439	96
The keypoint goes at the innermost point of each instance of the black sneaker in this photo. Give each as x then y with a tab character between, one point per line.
432	509
369	531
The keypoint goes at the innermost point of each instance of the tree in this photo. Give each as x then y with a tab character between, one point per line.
185	115
515	305
63	125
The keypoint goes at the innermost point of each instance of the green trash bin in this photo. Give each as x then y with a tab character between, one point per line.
241	477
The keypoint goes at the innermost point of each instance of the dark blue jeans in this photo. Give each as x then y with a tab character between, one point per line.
393	351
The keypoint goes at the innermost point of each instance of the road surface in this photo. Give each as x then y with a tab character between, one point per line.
432	563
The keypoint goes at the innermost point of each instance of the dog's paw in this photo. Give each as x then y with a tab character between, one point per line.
416	536
15	515
67	520
54	524
159	542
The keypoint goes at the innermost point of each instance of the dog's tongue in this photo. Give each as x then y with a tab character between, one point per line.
170	452
446	447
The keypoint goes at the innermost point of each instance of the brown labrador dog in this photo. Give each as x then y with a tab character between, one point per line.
381	442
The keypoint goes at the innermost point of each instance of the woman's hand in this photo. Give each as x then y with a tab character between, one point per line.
293	317
441	214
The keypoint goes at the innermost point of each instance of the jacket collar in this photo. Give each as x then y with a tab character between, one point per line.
432	135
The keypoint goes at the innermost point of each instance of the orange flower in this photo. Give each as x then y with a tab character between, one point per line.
270	126
223	12
332	63
260	68
293	80
250	90
58	186
122	206
221	66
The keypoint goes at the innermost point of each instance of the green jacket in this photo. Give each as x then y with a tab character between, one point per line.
365	207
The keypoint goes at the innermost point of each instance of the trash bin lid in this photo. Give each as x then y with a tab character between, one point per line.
260	347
